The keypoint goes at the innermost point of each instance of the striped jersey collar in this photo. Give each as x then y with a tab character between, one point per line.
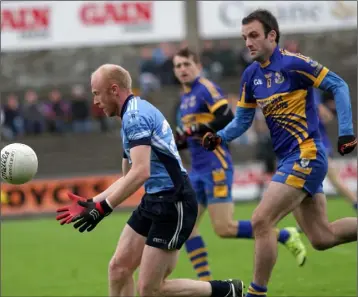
188	88
124	107
276	56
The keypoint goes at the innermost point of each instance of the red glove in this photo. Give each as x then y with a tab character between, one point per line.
67	213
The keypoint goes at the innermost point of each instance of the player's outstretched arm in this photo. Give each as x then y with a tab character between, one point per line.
312	73
135	178
125	166
245	112
239	125
103	195
92	212
340	90
109	190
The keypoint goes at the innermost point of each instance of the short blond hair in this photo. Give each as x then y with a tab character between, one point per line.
115	74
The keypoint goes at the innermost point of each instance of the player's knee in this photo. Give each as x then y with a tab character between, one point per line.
222	229
117	270
194	232
319	244
260	224
321	241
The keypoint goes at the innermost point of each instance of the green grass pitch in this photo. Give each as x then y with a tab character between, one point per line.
42	258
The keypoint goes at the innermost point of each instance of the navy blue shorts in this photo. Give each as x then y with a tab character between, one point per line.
166	224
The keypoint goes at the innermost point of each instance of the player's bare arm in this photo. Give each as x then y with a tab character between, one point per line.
125	166
103	195
135	178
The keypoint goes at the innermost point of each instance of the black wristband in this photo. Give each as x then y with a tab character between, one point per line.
205	128
90	200
106	208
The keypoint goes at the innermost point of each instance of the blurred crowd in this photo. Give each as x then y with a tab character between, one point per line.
30	114
219	60
34	113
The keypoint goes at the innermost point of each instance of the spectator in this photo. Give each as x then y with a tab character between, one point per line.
291	46
57	112
166	73
100	116
5	132
2	117
33	116
227	58
13	120
80	110
208	58
184	44
244	59
148	79
158	54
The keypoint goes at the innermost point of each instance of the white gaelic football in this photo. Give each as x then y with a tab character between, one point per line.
18	163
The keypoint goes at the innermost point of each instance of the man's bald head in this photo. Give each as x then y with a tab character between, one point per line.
111	85
113	74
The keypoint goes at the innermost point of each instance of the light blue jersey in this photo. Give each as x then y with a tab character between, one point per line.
144	124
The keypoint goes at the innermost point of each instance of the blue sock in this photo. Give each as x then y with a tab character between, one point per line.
283	236
198	255
355	205
255	290
244	229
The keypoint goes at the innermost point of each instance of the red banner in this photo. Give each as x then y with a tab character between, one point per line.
45	196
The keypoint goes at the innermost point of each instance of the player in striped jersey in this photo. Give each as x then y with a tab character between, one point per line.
203	108
281	84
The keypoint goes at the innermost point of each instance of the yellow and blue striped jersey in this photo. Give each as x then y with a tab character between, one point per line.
283	89
198	105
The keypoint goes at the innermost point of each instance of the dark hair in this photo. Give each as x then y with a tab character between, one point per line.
187	53
267	19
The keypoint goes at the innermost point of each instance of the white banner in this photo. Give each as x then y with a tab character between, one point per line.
247	177
55	24
222	19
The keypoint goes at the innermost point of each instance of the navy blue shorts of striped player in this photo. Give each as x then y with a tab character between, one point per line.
166	218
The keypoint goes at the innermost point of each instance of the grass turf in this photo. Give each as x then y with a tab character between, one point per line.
41	258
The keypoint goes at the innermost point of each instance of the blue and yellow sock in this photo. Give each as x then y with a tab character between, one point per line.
198	255
283	235
244	229
255	290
